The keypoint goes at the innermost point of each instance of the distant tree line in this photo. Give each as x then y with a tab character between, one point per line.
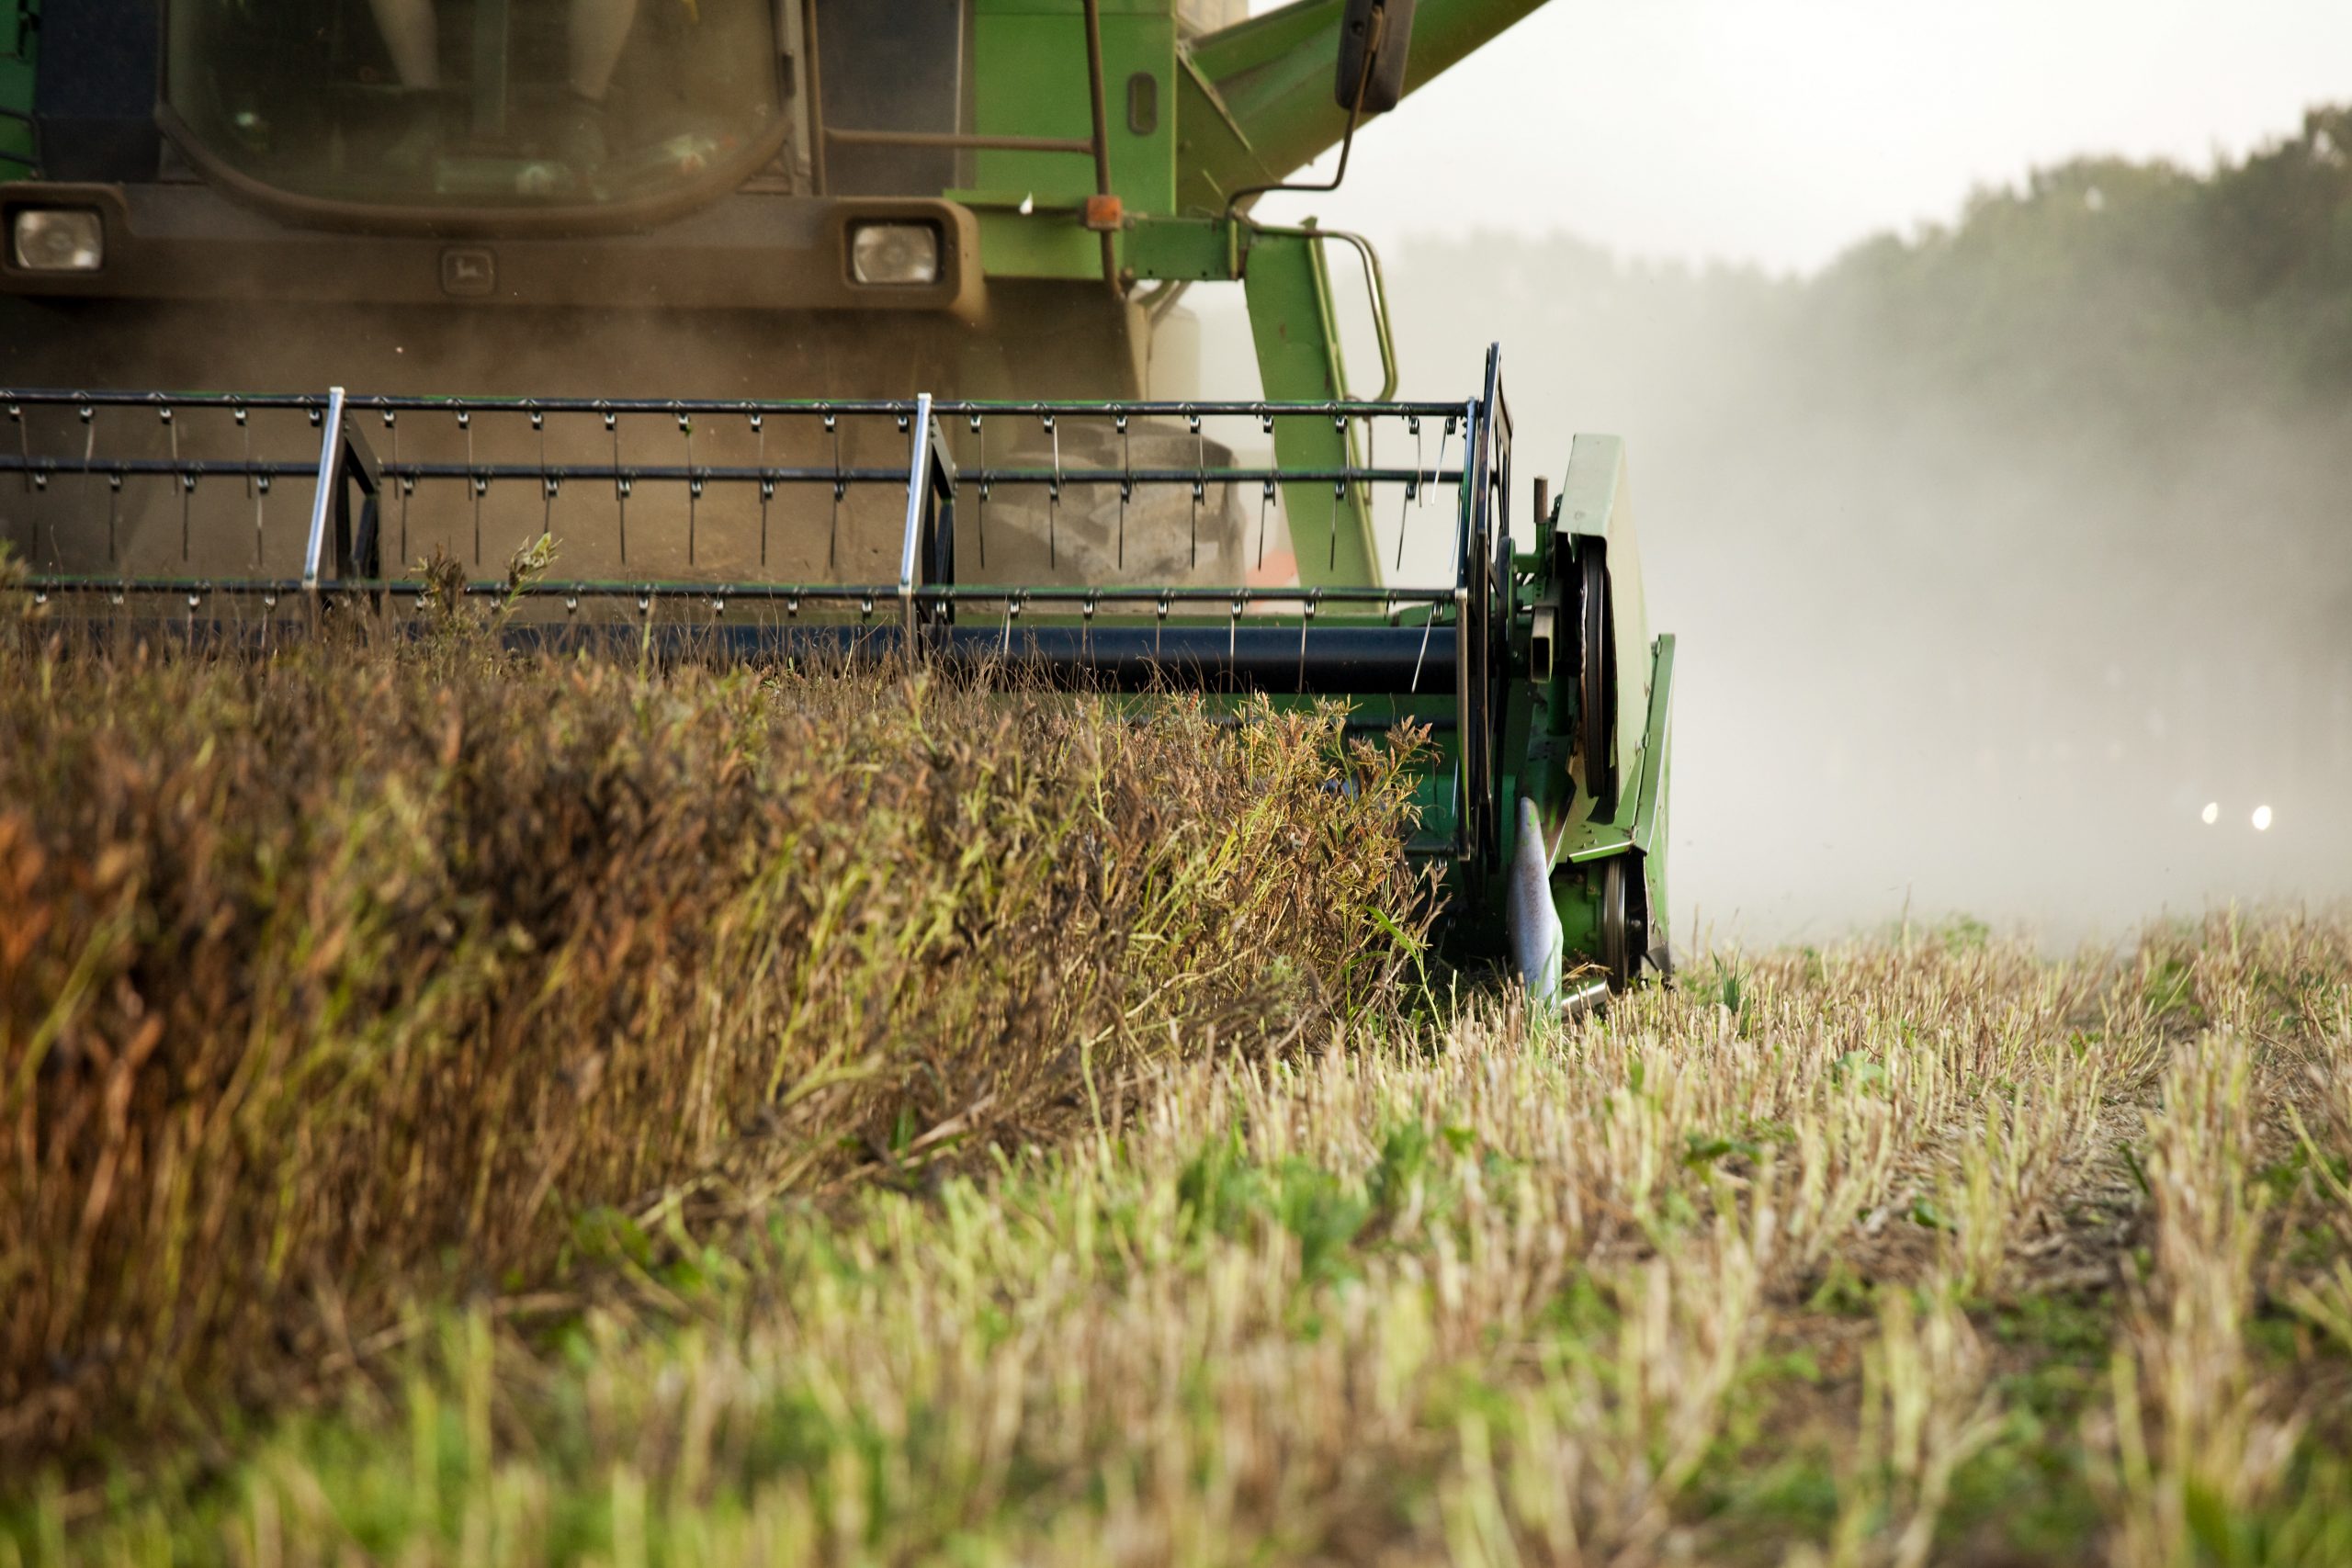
2144	287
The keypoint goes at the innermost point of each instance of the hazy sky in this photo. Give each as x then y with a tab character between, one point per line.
1779	132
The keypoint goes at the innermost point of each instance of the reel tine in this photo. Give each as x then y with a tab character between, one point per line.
1200	488
833	537
547	485
622	485
1404	519
408	488
768	484
694	483
466	423
245	433
1054	499
1338	488
620	478
24	444
980	523
392	428
1306	616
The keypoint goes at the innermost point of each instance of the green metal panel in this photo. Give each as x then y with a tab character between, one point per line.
1651	819
1299	361
1593	839
1258	104
1030	79
1047	242
1639	829
1196	250
18	31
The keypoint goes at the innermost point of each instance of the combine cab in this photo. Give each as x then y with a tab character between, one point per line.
894	304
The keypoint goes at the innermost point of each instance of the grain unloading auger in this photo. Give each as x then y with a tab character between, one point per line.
260	518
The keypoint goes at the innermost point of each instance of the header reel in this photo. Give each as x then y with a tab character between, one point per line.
1118	544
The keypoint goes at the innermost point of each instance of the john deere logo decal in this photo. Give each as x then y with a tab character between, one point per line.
469	272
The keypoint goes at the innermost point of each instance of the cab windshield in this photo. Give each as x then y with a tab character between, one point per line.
474	103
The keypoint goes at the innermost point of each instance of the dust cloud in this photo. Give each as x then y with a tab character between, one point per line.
1962	629
1998	556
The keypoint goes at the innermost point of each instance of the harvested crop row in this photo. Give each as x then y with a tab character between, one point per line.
1786	1267
335	976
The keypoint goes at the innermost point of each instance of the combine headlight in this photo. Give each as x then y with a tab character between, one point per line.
58	239
899	253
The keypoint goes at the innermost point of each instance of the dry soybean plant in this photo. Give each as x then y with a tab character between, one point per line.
1921	1250
333	977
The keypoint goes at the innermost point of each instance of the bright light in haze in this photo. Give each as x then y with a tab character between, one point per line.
2213	812
2262	819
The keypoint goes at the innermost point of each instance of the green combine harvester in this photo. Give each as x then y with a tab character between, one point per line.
818	325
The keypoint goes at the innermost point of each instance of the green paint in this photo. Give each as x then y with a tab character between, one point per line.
18	30
1246	106
1040	244
1258	104
1193	250
1639	828
1299	361
1030	79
